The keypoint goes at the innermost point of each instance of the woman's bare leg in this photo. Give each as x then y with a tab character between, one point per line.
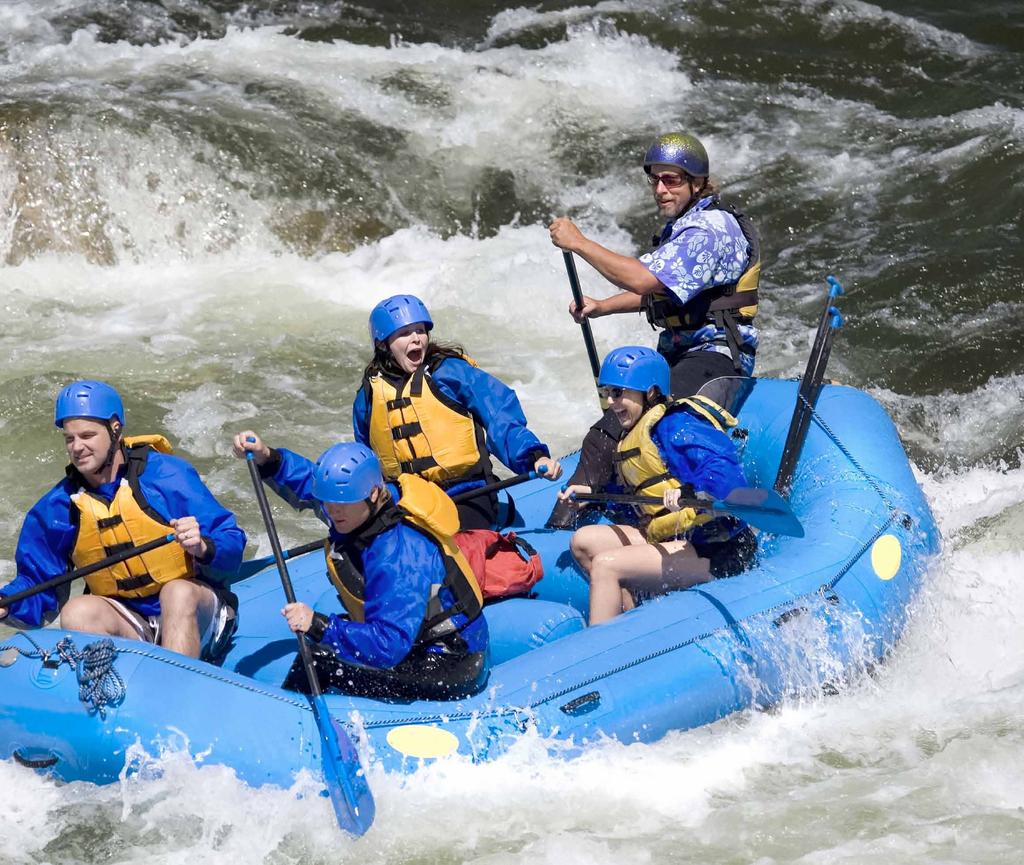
654	568
593	540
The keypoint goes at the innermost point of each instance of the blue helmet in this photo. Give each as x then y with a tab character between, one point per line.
346	473
395	313
635	367
681	150
89	399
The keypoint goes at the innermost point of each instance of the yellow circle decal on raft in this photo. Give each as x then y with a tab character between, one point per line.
419	740
886	555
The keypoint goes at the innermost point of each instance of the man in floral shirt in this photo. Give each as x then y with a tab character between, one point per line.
700	282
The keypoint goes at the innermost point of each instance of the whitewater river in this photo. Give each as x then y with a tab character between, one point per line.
200	202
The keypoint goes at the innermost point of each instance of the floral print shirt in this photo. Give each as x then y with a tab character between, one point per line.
703	248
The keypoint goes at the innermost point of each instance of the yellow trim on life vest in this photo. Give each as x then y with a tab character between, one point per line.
154	440
748	281
642	465
710	410
443	437
351	597
104	529
427	507
663	305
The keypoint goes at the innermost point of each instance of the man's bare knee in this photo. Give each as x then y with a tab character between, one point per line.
181	597
91	614
79	614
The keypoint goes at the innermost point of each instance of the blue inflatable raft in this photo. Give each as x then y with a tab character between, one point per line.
812	611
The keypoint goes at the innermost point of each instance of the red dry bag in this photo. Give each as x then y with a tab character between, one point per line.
503	563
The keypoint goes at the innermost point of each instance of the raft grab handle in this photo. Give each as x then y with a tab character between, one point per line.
582	705
34	759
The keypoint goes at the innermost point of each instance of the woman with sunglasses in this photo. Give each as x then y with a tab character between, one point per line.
425	408
699	283
670	449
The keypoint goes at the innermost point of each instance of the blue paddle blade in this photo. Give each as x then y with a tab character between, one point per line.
343	773
763	508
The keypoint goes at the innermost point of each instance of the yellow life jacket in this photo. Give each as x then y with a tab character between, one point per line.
425	507
722	305
127	521
643	472
416	429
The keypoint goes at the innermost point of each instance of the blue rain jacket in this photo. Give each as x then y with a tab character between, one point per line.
698	454
172	487
400	565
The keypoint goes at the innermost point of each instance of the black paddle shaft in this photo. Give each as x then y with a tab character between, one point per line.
577	295
282	568
764	509
807	397
626	499
493	488
346	784
60	580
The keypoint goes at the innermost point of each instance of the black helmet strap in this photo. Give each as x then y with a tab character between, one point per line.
115	442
